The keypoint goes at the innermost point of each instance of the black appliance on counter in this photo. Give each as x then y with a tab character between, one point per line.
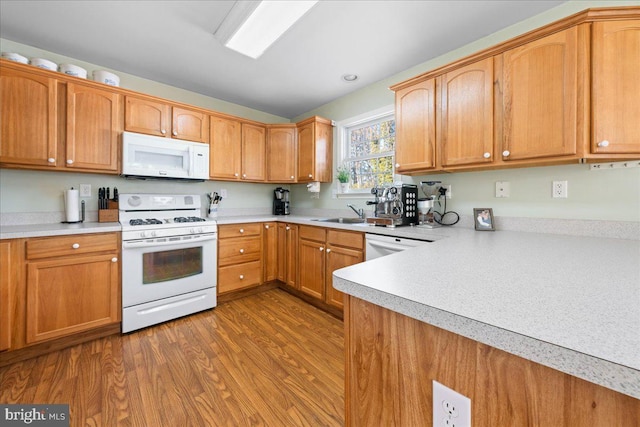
281	201
395	205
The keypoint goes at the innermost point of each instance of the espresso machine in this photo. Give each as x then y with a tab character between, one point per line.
395	205
281	201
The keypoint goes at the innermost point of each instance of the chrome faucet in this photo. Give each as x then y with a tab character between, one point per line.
360	211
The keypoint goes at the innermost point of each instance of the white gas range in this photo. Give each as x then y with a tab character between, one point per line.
169	258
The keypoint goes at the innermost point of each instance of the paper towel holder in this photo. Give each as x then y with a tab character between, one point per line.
81	217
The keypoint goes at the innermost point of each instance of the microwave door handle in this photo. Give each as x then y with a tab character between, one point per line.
190	161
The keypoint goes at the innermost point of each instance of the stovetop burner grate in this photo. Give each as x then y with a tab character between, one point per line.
188	219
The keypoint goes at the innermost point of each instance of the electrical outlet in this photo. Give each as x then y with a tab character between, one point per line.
560	189
450	408
503	189
223	193
85	190
448	188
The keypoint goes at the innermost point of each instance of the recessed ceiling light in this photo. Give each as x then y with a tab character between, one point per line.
350	78
252	26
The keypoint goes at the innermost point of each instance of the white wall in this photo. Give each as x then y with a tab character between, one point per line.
600	195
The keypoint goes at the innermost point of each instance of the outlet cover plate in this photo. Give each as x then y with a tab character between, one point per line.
85	190
503	189
450	408
560	189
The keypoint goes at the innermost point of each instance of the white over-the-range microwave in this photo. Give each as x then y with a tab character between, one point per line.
147	156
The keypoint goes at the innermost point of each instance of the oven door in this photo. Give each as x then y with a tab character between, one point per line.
154	269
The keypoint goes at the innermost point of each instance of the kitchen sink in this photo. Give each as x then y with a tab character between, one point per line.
342	220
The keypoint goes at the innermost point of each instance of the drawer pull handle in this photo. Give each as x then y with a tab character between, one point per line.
241	251
75	245
114	259
241	230
242	277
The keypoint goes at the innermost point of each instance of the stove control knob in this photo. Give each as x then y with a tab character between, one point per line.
143	234
192	230
200	230
153	234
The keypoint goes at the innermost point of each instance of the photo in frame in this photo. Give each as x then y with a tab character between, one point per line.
483	219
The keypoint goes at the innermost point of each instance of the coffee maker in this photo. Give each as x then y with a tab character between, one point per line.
281	201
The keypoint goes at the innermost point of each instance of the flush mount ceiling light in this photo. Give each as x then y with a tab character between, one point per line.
350	77
252	26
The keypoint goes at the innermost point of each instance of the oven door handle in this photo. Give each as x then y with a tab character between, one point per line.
146	243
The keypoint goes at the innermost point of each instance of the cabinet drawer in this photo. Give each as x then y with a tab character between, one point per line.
239	230
240	276
48	247
347	239
238	250
312	233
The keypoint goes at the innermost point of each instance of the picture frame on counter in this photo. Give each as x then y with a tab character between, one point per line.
483	219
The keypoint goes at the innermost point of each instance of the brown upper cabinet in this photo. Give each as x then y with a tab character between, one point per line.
157	117
529	101
315	150
58	124
281	153
254	146
615	94
539	83
225	154
416	128
465	123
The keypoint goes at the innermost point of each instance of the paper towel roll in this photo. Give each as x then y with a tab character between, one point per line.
72	205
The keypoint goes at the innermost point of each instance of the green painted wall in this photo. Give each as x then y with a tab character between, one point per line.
602	195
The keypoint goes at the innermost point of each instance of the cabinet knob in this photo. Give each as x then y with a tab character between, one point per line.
69	162
397	165
75	245
241	251
310	176
51	160
328	250
175	133
163	131
244	175
242	277
236	175
114	259
291	177
506	153
604	143
241	230
486	155
321	249
266	226
287	228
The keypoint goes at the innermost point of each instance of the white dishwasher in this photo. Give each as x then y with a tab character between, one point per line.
378	245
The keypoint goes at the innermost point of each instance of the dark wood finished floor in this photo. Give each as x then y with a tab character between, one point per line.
265	360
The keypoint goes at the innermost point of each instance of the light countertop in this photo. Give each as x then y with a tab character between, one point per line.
56	229
570	303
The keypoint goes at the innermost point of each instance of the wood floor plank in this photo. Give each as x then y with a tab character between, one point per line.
268	359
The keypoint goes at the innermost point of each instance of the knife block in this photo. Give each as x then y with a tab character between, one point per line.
109	215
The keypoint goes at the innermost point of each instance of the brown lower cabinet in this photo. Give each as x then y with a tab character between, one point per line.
391	360
58	290
239	256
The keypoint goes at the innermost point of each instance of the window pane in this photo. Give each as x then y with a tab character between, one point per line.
366	174
372	138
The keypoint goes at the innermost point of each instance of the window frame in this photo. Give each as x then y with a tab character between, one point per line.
343	142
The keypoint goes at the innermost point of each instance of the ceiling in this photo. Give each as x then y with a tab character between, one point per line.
172	42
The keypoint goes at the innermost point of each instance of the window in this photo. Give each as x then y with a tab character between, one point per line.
368	149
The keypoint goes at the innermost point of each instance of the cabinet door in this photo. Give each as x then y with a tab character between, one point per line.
270	251
93	128
147	116
281	154
225	161
338	257
28	111
306	152
5	294
540	98
253	152
616	87
190	125
70	295
466	115
416	127
312	267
